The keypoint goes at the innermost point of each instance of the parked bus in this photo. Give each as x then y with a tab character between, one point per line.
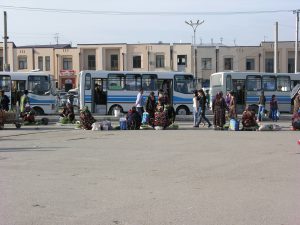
247	87
40	86
120	88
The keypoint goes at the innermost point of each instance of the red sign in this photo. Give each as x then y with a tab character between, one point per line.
67	72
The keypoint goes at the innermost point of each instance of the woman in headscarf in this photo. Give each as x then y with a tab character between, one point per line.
232	106
150	107
219	107
86	119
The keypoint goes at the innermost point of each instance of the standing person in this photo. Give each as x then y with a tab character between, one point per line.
273	108
232	106
195	108
261	105
4	101
139	103
219	107
150	106
202	106
24	101
227	99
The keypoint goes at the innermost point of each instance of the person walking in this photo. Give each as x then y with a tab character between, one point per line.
273	108
4	101
195	108
202	107
219	107
261	105
139	103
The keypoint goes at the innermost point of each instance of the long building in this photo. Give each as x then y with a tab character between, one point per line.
65	61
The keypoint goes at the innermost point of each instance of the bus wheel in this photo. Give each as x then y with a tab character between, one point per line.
182	110
112	109
38	111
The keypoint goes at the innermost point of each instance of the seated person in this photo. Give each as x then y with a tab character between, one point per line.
161	116
248	118
28	114
134	119
86	119
68	112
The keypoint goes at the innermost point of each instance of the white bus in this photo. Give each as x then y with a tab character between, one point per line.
247	87
120	89
40	86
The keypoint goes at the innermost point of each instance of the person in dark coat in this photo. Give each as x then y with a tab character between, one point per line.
219	108
150	107
68	112
4	101
134	119
86	119
202	105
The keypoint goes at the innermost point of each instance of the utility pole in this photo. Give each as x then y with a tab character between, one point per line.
56	37
297	38
276	49
194	26
5	55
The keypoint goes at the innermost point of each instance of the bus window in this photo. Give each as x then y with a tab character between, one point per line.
216	80
228	83
253	83
184	84
5	83
39	85
116	81
133	82
149	82
283	83
88	81
269	83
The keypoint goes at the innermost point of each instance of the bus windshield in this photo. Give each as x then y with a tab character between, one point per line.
5	83
39	85
184	84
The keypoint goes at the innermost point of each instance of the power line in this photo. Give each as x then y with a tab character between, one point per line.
141	13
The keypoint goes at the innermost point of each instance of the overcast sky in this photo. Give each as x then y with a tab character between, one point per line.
36	27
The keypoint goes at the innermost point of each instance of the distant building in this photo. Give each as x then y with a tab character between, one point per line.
65	62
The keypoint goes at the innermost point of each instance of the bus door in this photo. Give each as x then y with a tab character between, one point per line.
99	96
166	85
17	90
238	87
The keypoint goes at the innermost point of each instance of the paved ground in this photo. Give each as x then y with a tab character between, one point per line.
61	176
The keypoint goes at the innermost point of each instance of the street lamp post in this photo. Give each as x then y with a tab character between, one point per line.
194	26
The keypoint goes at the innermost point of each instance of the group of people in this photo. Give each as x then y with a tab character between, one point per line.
159	113
220	105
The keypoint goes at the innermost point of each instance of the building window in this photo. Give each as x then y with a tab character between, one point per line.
137	61
1	63
91	62
22	62
67	64
182	60
160	61
250	64
47	62
291	65
269	65
206	63
228	64
40	63
114	62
